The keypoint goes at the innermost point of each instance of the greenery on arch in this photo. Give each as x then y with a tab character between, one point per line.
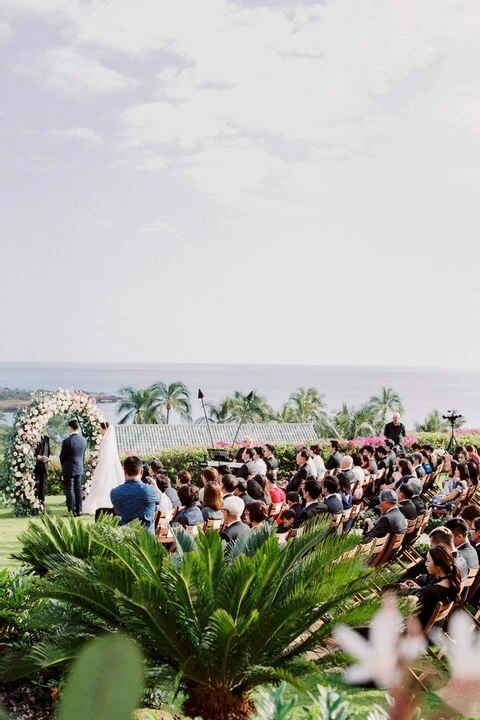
17	482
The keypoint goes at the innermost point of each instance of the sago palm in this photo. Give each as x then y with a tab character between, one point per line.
138	406
217	621
174	396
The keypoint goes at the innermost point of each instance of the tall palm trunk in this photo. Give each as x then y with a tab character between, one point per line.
169	407
217	704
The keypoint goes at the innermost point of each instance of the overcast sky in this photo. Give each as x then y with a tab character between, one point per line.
210	181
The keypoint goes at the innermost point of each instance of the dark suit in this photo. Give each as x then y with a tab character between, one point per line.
235	530
333	461
298	478
391	522
40	470
72	457
309	511
348	475
408	509
419	504
332	504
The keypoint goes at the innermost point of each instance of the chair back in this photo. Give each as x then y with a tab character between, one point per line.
411	532
346	515
472	589
467	584
378	550
393	547
283	537
192	529
426	518
355	510
275	509
213	524
336	522
440	612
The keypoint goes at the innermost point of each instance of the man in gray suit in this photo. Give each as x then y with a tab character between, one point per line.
391	521
72	457
234	528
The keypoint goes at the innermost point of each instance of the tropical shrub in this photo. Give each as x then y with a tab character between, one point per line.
216	621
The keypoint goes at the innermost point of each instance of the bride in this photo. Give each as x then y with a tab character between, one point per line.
108	473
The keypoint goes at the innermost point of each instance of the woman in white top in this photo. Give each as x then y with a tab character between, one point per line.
259	462
317	461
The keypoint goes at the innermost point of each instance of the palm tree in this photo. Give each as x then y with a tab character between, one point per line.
351	422
434	422
138	406
387	401
286	414
256	410
217	622
220	413
307	405
172	397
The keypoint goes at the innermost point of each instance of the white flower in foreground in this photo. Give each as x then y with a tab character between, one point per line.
382	658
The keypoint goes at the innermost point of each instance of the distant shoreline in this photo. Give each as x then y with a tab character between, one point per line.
13	400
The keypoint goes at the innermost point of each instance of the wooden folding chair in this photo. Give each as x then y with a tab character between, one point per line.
275	510
283	537
336	524
438	616
378	550
213	524
393	548
346	515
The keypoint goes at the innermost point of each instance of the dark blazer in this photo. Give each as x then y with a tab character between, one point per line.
419	504
348	475
72	455
235	530
296	480
43	447
392	522
308	512
333	461
332	504
408	509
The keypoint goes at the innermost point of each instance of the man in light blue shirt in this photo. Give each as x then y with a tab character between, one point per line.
135	500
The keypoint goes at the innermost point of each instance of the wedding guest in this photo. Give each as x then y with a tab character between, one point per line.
40	471
248	468
345	488
234	528
255	514
473	454
135	500
212	502
183	478
259	462
228	485
405	504
209	475
287	520
395	430
163	484
416	460
333	461
246	443
370	464
469	514
293	501
475	532
270	459
331	499
391	520
312	491
276	494
241	491
316	456
190	514
459	529
302	473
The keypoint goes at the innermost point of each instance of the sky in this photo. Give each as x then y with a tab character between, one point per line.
258	182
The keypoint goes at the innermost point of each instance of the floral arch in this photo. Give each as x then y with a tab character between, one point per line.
18	482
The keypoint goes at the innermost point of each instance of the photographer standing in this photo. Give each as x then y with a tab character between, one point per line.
395	431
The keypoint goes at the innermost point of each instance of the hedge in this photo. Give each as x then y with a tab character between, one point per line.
191	458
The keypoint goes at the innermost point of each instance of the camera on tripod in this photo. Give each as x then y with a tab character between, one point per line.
452	417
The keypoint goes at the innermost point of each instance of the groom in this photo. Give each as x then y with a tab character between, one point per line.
71	458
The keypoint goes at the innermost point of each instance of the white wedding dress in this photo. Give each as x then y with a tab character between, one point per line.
107	475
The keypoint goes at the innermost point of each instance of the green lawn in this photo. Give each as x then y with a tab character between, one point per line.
11	527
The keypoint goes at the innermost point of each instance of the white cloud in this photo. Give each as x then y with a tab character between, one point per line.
84	134
68	70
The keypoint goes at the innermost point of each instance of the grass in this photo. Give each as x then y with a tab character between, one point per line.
11	528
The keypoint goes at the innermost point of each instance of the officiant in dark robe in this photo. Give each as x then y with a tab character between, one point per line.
42	453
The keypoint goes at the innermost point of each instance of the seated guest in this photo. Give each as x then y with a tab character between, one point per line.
183	478
346	469
259	462
473	473
209	475
234	528
135	500
312	490
405	504
212	502
229	483
287	520
293	501
438	536
241	491
333	461
475	533
444	586
270	459
469	514
276	494
163	484
426	464
248	468
391	520
459	529
369	462
473	454
257	488
331	500
316	456
146	473
416	460
391	456
383	463
246	443
416	486
190	514
345	490
445	502
302	473
256	513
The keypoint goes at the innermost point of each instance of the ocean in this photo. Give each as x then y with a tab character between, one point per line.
421	389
